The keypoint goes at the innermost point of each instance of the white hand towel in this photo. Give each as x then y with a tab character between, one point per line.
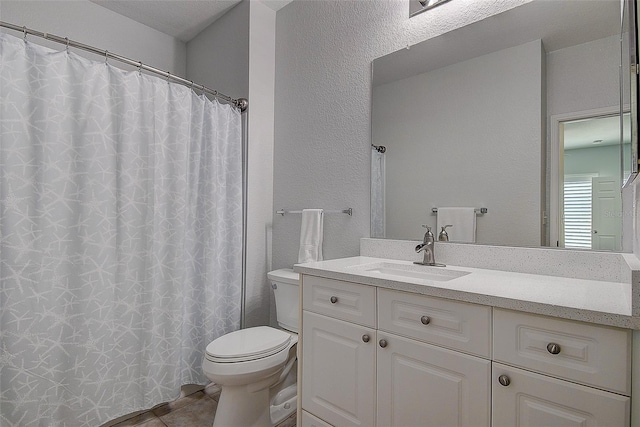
463	221
311	236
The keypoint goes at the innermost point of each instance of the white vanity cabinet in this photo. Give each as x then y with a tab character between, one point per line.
562	373
463	346
375	363
338	360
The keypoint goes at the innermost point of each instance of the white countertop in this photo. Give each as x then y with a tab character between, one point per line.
601	302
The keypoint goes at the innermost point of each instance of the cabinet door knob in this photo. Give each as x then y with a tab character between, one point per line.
365	338
425	320
553	348
333	299
383	343
504	380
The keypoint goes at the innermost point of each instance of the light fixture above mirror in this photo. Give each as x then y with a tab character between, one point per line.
416	7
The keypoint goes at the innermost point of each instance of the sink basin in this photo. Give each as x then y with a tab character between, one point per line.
406	271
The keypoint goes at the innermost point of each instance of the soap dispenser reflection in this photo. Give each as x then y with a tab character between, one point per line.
443	236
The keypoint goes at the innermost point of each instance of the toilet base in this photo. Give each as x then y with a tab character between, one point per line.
284	404
239	408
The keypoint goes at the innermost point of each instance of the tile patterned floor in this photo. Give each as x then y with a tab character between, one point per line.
196	409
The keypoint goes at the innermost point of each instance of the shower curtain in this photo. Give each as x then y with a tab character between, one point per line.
121	236
377	194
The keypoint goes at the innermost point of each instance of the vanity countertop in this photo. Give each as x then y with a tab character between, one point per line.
601	302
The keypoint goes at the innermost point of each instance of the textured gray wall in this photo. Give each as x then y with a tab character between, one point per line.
324	51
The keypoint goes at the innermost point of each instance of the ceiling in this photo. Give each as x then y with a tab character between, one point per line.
558	24
593	132
182	19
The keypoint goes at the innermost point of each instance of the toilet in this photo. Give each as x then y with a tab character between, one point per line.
256	367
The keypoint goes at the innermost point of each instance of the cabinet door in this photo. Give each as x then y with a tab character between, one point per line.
527	399
338	371
309	420
424	385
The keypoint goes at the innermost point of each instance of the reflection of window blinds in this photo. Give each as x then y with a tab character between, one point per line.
577	214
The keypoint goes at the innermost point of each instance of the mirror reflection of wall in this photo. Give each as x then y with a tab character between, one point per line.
469	134
467	118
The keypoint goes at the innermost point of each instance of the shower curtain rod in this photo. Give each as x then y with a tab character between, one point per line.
240	103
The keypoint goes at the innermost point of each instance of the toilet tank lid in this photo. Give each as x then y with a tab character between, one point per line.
285	275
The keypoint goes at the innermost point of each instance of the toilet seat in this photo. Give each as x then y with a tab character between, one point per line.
247	344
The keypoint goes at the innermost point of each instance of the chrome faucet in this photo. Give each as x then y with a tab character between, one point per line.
428	247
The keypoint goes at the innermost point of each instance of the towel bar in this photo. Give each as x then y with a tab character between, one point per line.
479	211
348	211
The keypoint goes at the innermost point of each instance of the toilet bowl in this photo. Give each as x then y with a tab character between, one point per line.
256	367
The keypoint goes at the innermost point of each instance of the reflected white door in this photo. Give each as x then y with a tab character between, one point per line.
606	202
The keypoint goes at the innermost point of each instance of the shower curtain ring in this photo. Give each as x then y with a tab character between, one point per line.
106	57
24	31
168	76
140	68
67	40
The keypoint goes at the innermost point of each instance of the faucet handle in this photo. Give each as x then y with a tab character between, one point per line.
428	236
444	236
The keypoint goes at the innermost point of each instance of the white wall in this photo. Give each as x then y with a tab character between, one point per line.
218	56
261	140
324	51
604	161
88	23
483	115
237	54
583	77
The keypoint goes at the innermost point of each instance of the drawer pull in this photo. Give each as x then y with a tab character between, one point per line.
504	380
333	300
425	320
553	348
383	343
365	338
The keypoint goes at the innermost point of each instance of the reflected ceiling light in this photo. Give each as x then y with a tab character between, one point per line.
419	6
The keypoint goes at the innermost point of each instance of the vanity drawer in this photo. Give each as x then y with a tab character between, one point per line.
342	300
452	324
594	355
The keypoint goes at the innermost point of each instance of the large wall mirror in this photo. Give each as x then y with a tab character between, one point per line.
527	113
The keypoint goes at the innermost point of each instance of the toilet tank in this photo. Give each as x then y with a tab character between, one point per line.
285	284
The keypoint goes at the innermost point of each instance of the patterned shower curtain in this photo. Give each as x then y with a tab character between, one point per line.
377	194
121	236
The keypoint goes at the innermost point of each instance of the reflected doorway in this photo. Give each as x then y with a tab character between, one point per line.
590	181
